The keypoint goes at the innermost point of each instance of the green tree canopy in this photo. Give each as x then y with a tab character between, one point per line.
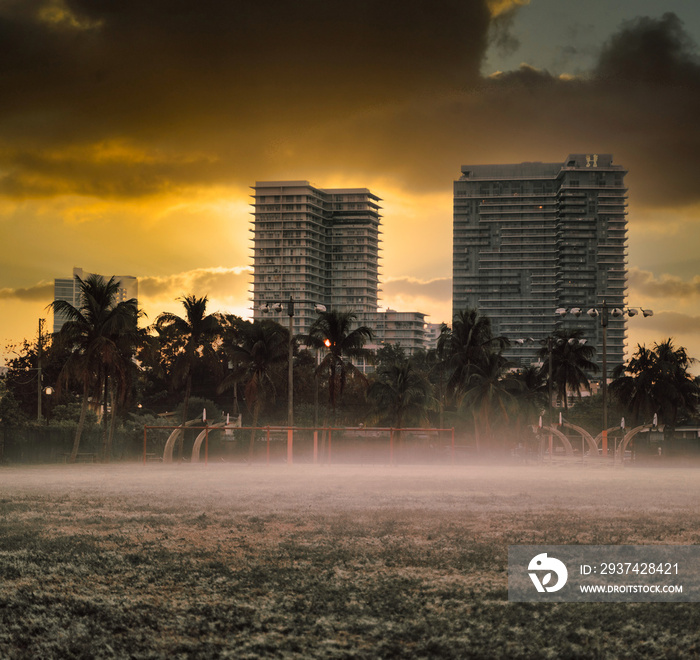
185	340
257	349
335	331
401	394
656	381
100	334
466	348
572	361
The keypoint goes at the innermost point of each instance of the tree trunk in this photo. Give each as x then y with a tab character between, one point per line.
105	432
476	433
81	423
251	447
399	436
332	393
112	425
185	404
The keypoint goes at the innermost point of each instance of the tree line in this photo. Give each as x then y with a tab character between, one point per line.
102	361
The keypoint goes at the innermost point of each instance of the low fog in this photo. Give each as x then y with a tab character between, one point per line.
300	489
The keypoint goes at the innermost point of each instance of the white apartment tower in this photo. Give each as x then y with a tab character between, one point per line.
317	246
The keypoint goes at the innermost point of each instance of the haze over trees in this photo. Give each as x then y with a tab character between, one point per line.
101	362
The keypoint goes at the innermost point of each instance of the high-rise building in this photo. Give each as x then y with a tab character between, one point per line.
319	246
68	289
534	237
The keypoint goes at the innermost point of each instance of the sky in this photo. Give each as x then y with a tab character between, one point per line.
131	133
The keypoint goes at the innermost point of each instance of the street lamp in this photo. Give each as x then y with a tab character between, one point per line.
48	391
604	312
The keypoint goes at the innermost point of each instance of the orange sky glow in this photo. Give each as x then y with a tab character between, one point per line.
129	138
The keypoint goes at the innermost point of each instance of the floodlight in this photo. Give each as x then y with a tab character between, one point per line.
632	312
320	308
647	312
592	312
277	307
560	311
616	312
576	311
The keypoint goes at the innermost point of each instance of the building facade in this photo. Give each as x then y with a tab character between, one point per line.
68	289
317	246
408	329
533	237
321	247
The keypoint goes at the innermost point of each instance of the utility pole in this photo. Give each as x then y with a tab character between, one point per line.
290	374
604	324
38	375
549	390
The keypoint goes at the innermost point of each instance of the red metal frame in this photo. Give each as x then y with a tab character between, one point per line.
290	437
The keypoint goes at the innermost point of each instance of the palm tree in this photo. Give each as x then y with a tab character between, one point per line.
333	330
232	329
530	396
633	385
400	393
98	332
190	338
657	381
262	345
489	395
466	347
571	359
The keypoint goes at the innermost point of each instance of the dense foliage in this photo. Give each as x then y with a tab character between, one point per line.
99	361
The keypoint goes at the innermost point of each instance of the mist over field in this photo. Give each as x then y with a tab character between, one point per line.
310	561
290	490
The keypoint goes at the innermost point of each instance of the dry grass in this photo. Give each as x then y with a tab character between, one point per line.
229	561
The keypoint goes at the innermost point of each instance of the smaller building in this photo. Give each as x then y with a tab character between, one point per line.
68	289
404	328
432	334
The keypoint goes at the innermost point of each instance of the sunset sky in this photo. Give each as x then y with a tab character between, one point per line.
131	132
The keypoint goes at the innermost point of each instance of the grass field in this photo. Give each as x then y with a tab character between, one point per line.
189	561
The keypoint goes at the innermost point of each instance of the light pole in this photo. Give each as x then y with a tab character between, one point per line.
278	307
290	372
319	309
39	378
604	312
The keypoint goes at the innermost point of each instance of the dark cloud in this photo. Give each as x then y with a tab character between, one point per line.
137	68
501	36
134	98
650	52
39	292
